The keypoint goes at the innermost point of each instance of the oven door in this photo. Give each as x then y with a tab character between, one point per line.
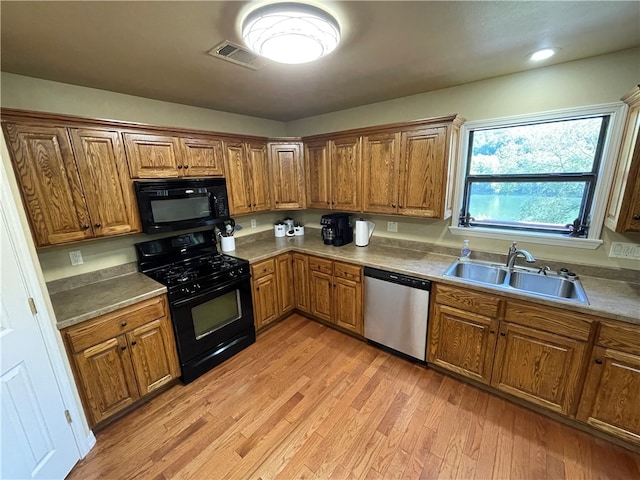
211	319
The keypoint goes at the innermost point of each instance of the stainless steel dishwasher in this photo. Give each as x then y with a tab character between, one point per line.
396	311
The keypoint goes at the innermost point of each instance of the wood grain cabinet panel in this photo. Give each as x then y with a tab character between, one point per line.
122	356
246	167
153	156
462	342
202	157
286	168
346	181
380	171
423	172
302	296
318	174
284	269
347	305
321	287
541	367
74	182
265	300
610	398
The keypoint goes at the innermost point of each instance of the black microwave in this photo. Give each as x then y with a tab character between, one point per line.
169	205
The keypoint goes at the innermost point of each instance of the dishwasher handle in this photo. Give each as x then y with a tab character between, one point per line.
399	278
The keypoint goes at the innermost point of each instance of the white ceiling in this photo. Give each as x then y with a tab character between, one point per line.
389	49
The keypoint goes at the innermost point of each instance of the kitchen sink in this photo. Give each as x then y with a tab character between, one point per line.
519	279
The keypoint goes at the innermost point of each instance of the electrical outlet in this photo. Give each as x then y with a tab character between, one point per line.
254	224
76	257
392	226
625	250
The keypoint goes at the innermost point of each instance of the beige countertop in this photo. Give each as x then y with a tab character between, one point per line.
607	298
89	301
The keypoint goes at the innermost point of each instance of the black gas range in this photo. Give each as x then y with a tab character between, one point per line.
209	297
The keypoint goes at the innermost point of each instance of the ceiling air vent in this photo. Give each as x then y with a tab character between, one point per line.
236	54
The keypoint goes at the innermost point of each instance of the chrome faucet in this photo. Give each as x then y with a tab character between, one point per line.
514	253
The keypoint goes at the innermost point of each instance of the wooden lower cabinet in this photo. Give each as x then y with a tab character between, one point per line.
463	342
610	398
272	289
122	356
301	292
541	367
336	293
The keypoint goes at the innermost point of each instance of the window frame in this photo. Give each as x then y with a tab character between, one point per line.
604	165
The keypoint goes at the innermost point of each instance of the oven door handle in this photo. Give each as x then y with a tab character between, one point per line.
208	292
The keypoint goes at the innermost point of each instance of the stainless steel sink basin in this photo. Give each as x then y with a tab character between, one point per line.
518	279
478	273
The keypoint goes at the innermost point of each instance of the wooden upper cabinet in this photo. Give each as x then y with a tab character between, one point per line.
287	175
202	157
623	210
153	156
246	166
108	189
423	172
380	172
346	184
318	174
50	184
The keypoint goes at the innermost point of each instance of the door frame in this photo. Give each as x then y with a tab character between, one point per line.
35	285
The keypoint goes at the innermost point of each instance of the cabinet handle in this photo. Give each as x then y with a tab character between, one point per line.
179	167
503	334
85	227
598	361
254	204
123	324
186	166
400	206
327	202
492	331
393	205
98	225
277	202
123	347
257	289
133	343
249	205
636	217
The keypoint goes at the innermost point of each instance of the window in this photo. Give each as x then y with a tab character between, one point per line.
544	175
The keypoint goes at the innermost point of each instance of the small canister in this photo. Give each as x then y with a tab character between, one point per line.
280	230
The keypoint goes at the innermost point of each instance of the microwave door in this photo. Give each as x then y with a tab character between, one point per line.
176	212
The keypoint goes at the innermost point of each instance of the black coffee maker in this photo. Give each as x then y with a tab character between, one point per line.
336	229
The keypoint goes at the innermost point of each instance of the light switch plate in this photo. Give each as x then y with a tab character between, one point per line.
630	251
392	227
254	223
76	257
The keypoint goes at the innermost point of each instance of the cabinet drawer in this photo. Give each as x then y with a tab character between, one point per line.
113	324
260	269
481	303
620	337
554	320
347	271
320	265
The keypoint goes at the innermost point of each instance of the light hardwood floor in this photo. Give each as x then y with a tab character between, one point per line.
306	401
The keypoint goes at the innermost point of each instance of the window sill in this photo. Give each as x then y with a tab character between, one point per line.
531	237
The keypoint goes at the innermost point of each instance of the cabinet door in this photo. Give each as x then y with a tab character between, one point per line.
543	368
153	354
237	178
202	157
346	174
107	378
347	305
259	173
610	396
284	270
301	282
108	189
423	171
462	342
380	170
287	175
318	175
153	156
320	285
49	182
265	300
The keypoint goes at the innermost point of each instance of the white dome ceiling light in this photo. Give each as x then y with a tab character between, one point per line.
542	54
290	32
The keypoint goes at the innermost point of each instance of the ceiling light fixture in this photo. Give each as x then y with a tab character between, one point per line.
542	54
290	32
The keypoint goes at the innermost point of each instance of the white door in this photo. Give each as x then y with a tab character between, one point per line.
36	440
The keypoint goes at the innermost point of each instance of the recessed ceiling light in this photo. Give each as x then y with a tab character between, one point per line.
290	32
542	54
